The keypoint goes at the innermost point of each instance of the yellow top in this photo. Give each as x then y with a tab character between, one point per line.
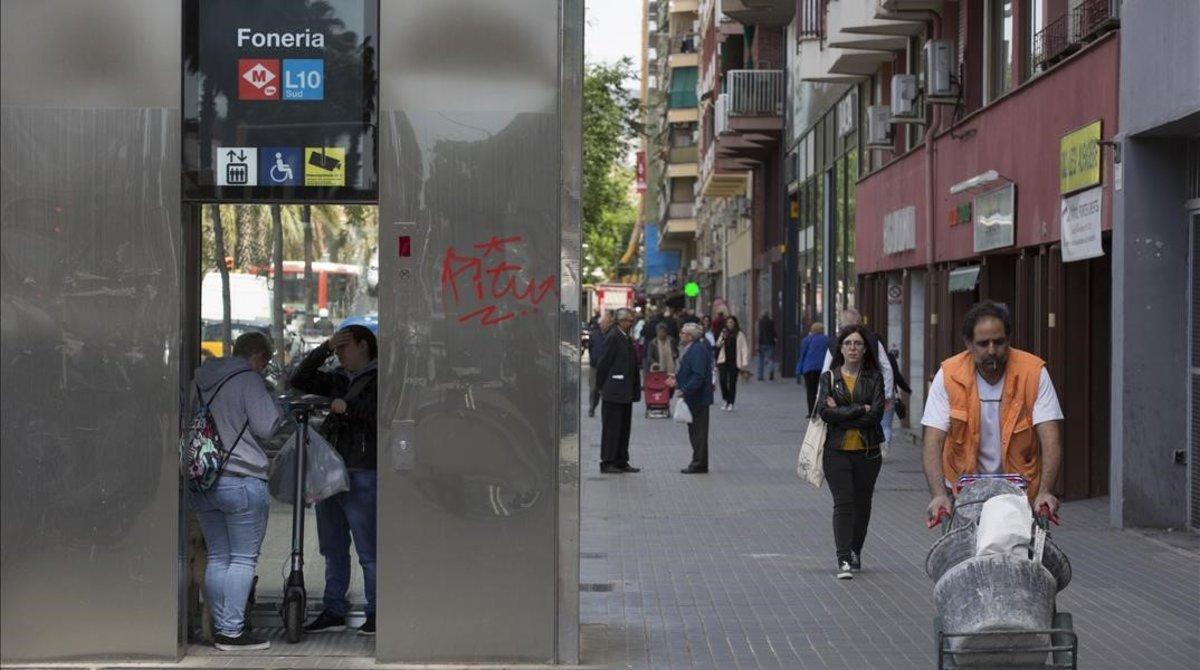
853	440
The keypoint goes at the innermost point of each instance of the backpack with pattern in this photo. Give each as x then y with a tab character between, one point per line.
202	456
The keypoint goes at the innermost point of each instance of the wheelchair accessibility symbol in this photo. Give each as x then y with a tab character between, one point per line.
280	166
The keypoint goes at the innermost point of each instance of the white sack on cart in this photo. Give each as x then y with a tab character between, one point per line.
325	472
1005	526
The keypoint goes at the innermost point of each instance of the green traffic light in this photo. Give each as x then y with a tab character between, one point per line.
691	289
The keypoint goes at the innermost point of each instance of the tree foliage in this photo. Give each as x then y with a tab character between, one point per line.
611	120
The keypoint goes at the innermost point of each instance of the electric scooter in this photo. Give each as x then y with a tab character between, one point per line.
295	598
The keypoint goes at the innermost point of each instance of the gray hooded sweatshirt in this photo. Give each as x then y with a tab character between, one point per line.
243	401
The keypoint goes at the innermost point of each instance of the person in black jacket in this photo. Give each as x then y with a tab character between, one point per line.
851	403
620	387
595	353
351	429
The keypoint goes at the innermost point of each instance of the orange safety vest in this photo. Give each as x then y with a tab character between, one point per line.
1020	451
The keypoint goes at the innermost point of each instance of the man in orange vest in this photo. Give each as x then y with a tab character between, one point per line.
991	409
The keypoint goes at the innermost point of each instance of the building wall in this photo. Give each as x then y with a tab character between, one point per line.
1018	136
1160	107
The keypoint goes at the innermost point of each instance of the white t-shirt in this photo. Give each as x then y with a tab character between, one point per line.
937	414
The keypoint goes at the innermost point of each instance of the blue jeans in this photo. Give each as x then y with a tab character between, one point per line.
345	515
889	415
233	518
766	356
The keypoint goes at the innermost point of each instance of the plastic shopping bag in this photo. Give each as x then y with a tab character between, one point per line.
682	413
809	465
325	472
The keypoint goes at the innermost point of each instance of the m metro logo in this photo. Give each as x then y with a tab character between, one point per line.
258	79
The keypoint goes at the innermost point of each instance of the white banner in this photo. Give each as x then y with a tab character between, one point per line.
1080	224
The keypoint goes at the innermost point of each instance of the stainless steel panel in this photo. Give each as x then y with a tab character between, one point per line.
570	215
89	342
471	328
111	54
90	233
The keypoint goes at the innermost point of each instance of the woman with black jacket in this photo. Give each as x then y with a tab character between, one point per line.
851	402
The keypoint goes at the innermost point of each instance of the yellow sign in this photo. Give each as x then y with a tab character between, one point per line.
1079	158
324	166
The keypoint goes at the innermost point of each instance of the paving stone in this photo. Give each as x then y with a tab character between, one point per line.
734	569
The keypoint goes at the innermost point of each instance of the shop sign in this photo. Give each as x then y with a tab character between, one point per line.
1080	225
994	216
895	294
1079	158
900	230
280	104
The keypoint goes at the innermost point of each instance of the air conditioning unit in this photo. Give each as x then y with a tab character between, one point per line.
904	99
939	59
707	262
879	127
847	114
692	265
743	206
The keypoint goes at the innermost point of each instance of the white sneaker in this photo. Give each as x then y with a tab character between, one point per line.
844	571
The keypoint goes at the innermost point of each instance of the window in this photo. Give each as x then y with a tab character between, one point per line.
1034	19
1000	48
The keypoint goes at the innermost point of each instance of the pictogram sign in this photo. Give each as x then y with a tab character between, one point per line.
258	79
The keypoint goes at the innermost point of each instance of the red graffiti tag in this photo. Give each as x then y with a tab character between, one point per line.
497	291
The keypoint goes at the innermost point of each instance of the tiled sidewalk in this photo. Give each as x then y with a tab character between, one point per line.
735	569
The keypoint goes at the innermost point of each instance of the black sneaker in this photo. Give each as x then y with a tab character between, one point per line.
855	561
247	641
368	627
844	571
326	623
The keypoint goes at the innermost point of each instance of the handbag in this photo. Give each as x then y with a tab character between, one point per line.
900	407
682	413
810	463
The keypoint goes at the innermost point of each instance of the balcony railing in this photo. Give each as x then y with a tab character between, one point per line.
1066	34
681	210
682	99
682	155
754	92
810	20
684	44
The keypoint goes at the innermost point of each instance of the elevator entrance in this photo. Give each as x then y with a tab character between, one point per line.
469	166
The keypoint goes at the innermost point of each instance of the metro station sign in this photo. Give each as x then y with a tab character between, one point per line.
279	100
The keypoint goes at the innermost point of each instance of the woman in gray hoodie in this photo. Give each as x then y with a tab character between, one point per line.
233	513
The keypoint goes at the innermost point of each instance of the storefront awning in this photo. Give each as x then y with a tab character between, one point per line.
964	278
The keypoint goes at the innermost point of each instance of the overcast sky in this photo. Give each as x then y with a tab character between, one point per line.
614	29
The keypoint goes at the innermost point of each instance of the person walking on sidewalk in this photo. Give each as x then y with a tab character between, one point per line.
663	354
694	381
595	351
851	405
852	317
351	429
620	387
991	409
766	345
233	512
808	365
733	358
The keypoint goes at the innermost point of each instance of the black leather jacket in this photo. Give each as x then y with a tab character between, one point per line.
354	433
851	412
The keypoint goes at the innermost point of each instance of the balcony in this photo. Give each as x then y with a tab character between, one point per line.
684	6
811	22
683	155
681	210
720	180
1069	32
760	12
859	36
683	51
750	109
